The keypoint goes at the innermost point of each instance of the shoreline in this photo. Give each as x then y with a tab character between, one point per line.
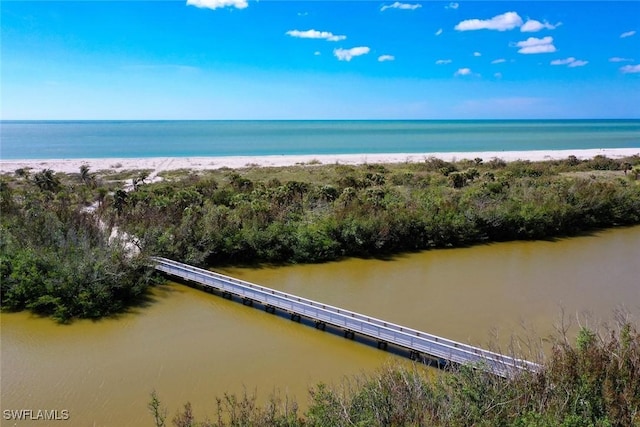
160	164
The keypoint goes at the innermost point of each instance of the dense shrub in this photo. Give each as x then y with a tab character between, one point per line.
367	211
55	259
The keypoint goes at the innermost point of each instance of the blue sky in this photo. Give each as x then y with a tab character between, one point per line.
246	59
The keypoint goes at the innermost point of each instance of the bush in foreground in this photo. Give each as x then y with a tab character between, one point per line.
594	383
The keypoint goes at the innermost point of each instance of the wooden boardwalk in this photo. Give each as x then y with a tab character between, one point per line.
418	343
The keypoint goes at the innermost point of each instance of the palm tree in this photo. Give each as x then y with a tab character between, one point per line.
142	176
348	195
457	179
297	189
87	178
119	200
136	181
47	181
102	194
329	193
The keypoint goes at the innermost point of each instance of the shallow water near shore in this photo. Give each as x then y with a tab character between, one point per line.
192	346
129	139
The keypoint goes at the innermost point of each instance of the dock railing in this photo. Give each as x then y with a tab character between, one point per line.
417	342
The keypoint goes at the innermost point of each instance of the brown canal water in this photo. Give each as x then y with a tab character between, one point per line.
192	346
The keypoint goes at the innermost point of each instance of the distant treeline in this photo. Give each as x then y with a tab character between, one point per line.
57	256
595	383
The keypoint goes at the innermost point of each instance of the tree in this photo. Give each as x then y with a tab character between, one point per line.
86	177
328	193
102	194
120	200
47	181
142	176
471	174
572	161
297	189
457	179
348	195
239	183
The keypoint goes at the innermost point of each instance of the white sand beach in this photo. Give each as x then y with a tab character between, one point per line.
160	164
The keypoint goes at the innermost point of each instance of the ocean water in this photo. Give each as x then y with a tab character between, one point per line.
102	139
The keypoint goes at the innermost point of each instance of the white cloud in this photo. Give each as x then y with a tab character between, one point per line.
627	34
452	5
317	53
578	63
463	72
215	4
563	61
383	58
477	54
534	45
504	22
498	61
498	75
630	69
443	61
618	59
347	54
571	62
532	26
314	34
398	5
439	32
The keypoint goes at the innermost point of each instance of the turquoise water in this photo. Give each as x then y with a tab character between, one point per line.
101	139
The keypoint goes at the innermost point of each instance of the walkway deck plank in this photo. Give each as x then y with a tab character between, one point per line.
380	330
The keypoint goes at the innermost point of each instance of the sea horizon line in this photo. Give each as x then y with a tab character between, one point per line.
323	120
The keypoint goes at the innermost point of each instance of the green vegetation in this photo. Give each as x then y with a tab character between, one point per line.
57	256
595	383
319	213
